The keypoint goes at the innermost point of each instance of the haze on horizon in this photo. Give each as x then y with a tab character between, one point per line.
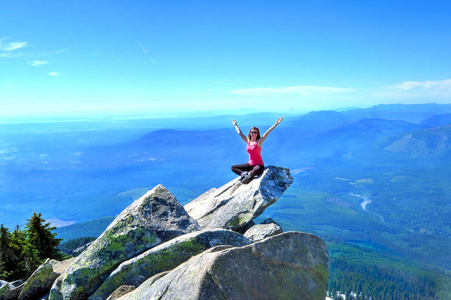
69	58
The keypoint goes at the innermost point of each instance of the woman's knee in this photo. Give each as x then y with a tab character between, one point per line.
257	170
236	169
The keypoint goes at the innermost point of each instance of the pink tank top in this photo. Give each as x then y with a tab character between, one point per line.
255	157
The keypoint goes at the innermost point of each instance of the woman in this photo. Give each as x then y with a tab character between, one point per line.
254	143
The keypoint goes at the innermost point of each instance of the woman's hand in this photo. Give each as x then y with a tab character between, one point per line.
238	130
265	135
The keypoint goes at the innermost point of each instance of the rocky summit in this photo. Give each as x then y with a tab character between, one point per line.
209	249
166	257
155	218
234	205
291	265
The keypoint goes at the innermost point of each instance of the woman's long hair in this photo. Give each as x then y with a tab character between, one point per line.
249	135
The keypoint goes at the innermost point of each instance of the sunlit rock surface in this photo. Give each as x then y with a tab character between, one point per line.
234	204
291	265
166	257
149	221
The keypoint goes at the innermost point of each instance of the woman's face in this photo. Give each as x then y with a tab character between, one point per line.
254	133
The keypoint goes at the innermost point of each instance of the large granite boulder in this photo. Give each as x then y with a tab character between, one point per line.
149	221
40	282
11	290
121	291
165	257
234	205
263	230
291	265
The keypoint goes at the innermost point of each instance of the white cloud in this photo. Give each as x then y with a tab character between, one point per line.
410	85
11	46
145	51
53	53
54	74
292	90
142	48
328	97
408	92
404	92
38	63
12	54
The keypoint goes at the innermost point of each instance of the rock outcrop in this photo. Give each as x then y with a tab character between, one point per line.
234	205
156	250
11	290
149	221
263	230
41	280
166	257
291	265
121	291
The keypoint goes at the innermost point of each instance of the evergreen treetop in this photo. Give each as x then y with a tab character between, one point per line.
22	251
40	236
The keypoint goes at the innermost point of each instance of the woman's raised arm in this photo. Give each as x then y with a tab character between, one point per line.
239	131
265	135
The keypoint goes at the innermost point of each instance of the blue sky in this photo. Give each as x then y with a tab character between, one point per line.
158	57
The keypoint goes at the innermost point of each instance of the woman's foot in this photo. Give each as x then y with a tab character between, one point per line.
246	179
243	175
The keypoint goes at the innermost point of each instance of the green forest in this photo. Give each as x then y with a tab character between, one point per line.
356	269
379	258
23	251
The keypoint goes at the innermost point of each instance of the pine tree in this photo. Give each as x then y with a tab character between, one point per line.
27	254
40	236
7	259
4	242
2	270
22	251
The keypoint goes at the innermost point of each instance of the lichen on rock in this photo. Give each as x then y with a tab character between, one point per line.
165	257
291	265
40	282
154	218
234	204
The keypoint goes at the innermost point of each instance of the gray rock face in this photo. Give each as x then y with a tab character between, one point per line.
165	257
291	265
154	218
234	205
41	280
260	231
11	290
121	291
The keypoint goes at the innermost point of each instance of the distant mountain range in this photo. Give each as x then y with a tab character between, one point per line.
373	180
425	144
48	167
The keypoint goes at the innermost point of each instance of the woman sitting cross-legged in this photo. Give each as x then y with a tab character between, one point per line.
254	143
